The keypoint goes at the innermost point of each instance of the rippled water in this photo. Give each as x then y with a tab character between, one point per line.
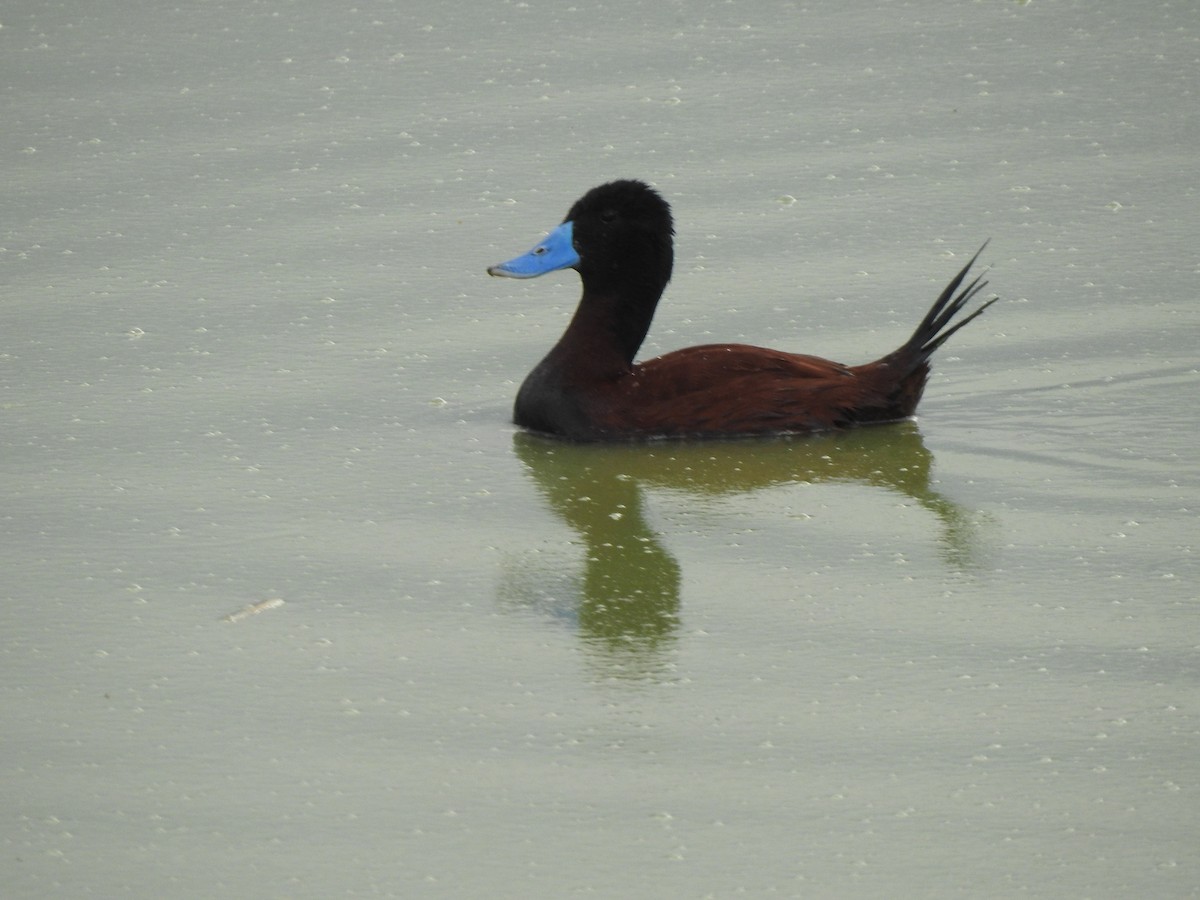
250	354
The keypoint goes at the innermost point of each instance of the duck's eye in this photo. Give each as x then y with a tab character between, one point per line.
608	216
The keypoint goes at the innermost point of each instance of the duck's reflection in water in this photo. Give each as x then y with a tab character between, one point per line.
626	603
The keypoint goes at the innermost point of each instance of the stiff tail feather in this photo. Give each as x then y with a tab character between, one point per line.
932	332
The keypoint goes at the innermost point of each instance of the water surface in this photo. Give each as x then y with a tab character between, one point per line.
250	352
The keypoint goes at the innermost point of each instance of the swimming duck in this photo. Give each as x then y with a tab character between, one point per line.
619	237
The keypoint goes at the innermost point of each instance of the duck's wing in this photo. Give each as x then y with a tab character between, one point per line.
730	389
712	366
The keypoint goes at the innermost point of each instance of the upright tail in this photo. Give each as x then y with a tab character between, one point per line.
932	332
901	375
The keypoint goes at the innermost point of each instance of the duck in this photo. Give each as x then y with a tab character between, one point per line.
619	237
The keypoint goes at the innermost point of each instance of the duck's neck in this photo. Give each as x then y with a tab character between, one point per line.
606	331
598	347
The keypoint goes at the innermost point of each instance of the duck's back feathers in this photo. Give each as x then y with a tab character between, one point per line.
729	390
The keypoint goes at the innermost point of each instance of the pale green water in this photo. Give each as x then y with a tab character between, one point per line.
250	352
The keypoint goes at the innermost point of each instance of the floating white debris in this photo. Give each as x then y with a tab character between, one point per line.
253	609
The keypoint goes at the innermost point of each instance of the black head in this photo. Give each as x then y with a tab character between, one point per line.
620	239
623	234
